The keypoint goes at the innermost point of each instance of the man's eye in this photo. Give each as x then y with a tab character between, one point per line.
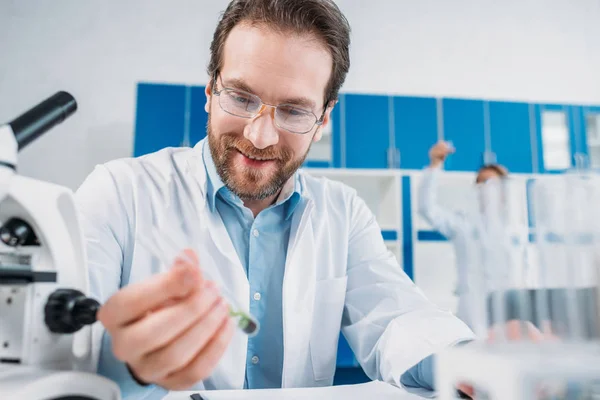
240	98
293	112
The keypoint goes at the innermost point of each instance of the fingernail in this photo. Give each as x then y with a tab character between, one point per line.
182	261
179	263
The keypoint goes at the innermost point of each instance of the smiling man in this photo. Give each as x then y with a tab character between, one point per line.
257	146
304	255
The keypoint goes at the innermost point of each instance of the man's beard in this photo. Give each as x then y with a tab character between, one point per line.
246	182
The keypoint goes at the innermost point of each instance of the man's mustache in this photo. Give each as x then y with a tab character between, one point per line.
248	150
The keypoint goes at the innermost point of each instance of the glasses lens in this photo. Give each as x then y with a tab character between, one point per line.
239	103
294	119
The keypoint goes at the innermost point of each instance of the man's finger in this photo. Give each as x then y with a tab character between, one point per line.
134	301
188	255
184	349
205	361
161	327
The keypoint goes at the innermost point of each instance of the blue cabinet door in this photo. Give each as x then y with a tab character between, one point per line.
198	116
415	129
336	131
159	119
512	135
464	126
345	355
366	134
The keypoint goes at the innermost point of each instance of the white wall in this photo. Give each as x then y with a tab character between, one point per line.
538	50
97	50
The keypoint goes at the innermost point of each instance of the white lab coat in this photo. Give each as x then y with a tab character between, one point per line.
459	228
338	272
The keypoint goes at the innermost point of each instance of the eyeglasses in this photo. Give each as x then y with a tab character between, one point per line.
247	105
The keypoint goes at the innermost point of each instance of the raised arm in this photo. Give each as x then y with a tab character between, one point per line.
442	220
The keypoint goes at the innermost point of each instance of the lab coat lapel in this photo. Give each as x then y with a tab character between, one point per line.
219	257
298	295
197	173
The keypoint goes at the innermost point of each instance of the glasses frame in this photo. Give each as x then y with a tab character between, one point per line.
263	105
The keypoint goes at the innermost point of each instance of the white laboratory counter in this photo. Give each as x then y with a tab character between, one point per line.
371	390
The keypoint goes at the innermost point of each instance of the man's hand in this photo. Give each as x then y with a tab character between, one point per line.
171	329
439	152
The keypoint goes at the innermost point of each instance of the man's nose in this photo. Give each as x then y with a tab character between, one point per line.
261	130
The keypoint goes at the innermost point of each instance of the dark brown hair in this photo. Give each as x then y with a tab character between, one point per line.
322	18
497	168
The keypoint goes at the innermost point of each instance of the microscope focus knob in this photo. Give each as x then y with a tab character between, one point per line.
68	310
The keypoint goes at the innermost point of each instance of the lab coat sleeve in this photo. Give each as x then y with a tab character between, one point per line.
446	222
388	322
104	226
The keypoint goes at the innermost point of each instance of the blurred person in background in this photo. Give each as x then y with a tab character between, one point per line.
454	225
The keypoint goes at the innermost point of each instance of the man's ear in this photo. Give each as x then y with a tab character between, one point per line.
208	93
326	121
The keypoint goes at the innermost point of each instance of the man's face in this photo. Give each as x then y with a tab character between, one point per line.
253	156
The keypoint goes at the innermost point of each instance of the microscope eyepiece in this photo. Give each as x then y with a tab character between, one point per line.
35	122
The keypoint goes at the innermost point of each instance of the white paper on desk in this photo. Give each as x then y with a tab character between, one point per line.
372	390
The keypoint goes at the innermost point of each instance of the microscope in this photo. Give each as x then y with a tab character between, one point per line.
45	316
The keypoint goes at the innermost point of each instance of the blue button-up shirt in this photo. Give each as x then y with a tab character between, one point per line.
261	244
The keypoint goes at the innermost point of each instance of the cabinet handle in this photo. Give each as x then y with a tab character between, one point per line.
393	157
390	157
489	157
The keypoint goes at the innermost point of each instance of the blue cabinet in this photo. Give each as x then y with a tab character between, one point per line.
168	116
336	131
464	126
415	130
345	355
512	135
159	120
380	131
366	135
576	130
198	116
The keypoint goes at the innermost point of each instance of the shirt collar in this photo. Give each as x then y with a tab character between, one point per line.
290	194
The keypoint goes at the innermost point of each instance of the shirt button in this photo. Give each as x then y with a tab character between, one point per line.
255	360
255	233
257	296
